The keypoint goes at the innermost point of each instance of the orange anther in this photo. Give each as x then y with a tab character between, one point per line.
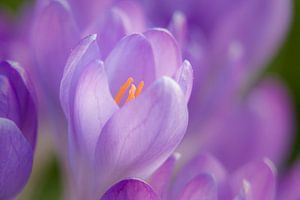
139	88
123	89
131	94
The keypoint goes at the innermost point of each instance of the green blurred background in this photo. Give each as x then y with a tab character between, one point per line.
47	185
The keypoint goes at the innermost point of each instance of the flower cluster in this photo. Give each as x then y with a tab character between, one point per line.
157	98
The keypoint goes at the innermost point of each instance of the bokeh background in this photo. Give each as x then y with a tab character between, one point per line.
46	182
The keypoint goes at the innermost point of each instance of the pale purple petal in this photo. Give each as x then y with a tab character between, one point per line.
166	52
161	178
203	163
178	27
93	105
202	187
130	189
83	54
184	77
52	47
260	177
16	156
132	57
143	133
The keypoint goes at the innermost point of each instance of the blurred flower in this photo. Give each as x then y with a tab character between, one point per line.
203	178
18	125
113	138
229	42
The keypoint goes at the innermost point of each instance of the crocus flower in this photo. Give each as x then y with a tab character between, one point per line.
114	138
18	129
204	178
228	42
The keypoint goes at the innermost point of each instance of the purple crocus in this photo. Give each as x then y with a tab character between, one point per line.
18	127
204	178
229	42
113	135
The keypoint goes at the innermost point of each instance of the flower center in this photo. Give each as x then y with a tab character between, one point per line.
132	93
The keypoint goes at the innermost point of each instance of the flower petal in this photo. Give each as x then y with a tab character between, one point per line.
52	48
22	99
166	52
130	189
203	163
184	77
161	178
16	156
261	177
143	134
202	187
132	57
84	53
236	30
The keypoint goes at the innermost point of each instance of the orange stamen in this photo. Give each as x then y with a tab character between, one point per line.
139	88
131	94
123	89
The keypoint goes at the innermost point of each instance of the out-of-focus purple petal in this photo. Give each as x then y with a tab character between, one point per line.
202	187
16	156
130	189
51	48
132	57
261	177
257	27
272	105
203	163
87	11
111	31
143	134
289	186
23	98
178	27
166	52
263	117
135	15
184	77
160	180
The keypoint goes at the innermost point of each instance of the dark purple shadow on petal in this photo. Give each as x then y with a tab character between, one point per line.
130	189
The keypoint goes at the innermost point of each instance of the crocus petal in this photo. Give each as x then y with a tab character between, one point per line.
51	49
261	178
130	189
111	30
178	27
24	100
132	57
87	11
93	105
84	53
135	15
203	163
16	156
155	123
202	187
270	19
160	180
184	77
166	52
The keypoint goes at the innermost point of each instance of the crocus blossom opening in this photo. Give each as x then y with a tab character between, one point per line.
132	93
